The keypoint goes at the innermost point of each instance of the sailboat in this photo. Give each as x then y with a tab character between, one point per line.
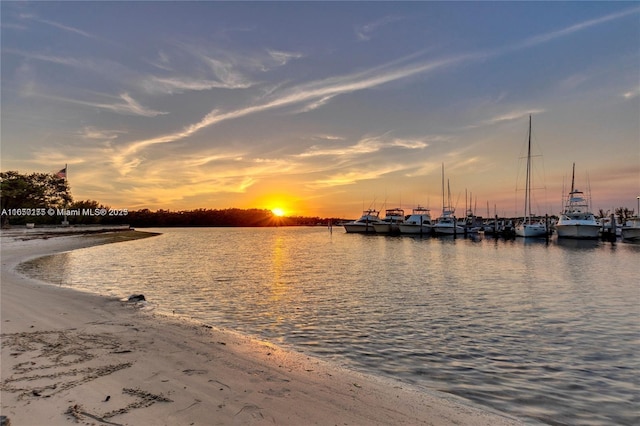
528	227
576	221
447	224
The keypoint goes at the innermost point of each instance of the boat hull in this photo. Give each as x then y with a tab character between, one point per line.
364	225
577	230
382	228
359	228
448	230
631	234
386	228
531	230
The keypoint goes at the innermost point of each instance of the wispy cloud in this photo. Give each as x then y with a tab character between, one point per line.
513	115
203	158
128	106
171	85
633	93
328	137
225	71
409	143
317	93
341	178
190	67
543	38
574	81
366	145
56	59
231	66
315	104
363	146
92	133
364	32
282	58
60	26
162	61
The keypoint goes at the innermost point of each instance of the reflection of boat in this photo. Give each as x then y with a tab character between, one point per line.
631	230
364	224
577	221
419	222
581	244
528	227
389	224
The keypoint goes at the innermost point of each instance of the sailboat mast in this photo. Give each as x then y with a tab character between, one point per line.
442	187
527	198
573	177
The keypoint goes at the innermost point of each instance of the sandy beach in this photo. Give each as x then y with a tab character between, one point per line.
72	357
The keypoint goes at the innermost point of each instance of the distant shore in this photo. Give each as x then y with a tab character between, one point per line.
69	356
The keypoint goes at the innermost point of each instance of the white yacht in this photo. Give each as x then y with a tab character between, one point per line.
631	230
419	222
364	225
390	224
576	221
447	224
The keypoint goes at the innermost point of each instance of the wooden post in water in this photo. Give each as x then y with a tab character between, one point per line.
612	230
547	229
455	225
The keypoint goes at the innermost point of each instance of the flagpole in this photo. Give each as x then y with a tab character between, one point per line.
65	222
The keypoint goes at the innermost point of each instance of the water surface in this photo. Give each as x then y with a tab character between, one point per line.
549	332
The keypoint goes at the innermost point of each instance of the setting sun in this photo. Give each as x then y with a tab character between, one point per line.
277	212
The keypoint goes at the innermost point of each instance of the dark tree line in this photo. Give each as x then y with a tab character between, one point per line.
33	190
39	192
622	214
215	217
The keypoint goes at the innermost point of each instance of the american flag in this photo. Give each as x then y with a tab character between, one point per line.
62	174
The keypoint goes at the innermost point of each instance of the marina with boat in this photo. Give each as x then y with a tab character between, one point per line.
576	221
572	224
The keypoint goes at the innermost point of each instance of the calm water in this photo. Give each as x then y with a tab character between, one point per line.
549	332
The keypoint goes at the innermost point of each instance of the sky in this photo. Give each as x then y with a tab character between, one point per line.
324	108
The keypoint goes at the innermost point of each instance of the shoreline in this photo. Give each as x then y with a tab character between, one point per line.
70	356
